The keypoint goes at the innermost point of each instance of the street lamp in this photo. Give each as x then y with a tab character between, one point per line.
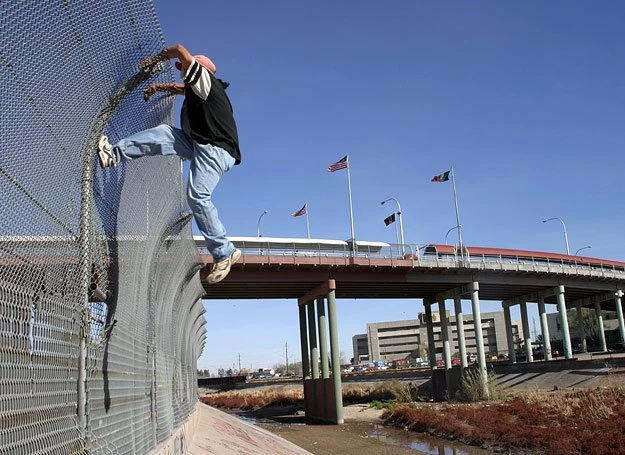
583	248
566	238
265	212
455	227
401	223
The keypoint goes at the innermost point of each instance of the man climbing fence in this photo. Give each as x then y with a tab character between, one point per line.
208	139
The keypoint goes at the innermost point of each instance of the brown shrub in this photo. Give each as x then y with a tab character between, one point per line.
255	399
581	422
287	395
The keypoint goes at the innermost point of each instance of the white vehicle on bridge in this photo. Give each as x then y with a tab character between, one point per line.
264	246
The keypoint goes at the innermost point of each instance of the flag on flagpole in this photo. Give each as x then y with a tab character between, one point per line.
389	219
300	212
442	177
343	163
340	164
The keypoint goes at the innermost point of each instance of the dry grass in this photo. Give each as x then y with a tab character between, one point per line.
249	399
472	387
400	392
578	422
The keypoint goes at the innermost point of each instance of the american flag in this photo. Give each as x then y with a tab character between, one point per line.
300	212
340	164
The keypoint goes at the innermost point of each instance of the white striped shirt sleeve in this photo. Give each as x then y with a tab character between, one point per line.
198	78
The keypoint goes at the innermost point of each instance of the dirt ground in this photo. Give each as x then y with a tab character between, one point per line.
363	432
350	438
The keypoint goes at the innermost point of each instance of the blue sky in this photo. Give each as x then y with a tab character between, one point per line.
525	100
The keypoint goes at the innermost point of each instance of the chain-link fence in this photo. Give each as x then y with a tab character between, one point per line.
100	313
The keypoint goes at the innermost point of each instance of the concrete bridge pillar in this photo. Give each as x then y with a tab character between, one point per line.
568	351
323	396
462	344
527	339
427	306
509	336
323	343
336	357
445	336
581	333
619	314
479	337
303	340
604	346
544	328
312	338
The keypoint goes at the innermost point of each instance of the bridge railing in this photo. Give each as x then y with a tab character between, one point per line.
413	255
525	263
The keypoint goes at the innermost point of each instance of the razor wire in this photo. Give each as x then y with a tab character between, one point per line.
101	321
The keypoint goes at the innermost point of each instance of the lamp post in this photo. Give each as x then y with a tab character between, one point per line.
265	212
455	227
583	248
401	223
566	238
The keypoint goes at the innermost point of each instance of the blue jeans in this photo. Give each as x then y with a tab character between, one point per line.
208	165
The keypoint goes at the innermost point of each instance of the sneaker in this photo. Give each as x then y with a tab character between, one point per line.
105	153
221	269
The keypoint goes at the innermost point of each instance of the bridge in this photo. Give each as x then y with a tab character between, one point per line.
324	270
275	268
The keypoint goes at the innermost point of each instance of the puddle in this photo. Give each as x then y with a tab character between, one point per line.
422	443
247	419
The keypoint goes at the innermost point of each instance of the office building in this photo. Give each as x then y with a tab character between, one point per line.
395	340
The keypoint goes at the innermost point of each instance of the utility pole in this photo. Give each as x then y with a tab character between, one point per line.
286	353
239	362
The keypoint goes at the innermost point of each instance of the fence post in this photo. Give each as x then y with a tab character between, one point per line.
86	197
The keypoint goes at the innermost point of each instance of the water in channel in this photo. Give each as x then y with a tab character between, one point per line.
422	443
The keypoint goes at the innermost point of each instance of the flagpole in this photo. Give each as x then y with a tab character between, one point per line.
397	230
307	224
351	211
453	182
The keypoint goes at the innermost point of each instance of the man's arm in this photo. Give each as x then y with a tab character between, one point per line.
172	88
176	51
191	71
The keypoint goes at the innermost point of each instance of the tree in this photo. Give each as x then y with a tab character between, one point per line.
419	352
294	368
589	321
203	373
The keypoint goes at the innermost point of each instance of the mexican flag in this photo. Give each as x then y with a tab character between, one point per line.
442	177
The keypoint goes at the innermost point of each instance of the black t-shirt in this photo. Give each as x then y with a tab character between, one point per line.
210	121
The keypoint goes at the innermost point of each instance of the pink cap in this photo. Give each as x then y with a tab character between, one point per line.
206	63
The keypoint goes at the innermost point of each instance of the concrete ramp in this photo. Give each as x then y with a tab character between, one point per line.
219	433
582	372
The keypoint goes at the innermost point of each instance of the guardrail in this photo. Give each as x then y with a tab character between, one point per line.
412	255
